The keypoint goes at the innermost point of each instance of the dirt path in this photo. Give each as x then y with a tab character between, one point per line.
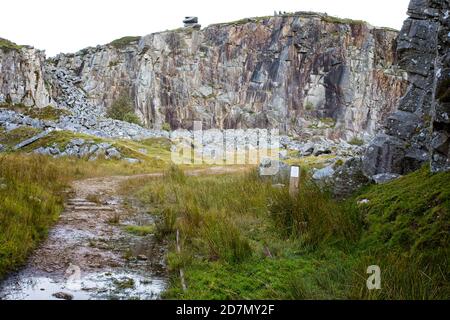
89	255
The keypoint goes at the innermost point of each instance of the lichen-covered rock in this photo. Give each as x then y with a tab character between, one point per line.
440	145
21	77
324	173
419	131
113	153
84	149
385	177
275	170
348	178
385	154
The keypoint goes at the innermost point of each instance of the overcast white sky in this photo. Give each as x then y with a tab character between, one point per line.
70	25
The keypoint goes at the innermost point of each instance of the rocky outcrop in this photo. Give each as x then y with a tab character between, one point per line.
308	74
419	130
27	79
440	140
22	77
84	149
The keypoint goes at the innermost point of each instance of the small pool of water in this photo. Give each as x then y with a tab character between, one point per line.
93	286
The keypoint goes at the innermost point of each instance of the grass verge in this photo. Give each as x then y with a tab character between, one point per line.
241	238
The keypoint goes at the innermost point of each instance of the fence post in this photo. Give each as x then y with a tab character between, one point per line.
294	181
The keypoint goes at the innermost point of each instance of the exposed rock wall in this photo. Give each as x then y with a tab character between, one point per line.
419	130
306	73
26	79
440	143
22	77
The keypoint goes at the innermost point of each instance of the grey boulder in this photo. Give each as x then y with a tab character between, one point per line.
383	178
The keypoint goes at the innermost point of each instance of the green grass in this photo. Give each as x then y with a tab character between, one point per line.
13	137
153	152
46	113
30	201
331	19
141	230
124	41
241	238
411	213
7	45
356	141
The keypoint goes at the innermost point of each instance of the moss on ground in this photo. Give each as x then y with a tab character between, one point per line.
412	213
59	139
310	161
46	113
15	136
356	141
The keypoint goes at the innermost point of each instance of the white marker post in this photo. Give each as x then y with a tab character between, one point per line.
294	181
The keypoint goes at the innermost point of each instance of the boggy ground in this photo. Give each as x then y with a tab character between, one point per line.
89	254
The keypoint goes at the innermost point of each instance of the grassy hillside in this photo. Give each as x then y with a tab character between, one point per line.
241	238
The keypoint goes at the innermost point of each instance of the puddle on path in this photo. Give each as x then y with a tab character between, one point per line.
89	255
103	286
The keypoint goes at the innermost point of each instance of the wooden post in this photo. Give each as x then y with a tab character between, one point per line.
294	181
183	281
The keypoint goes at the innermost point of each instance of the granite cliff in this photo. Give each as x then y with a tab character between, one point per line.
311	75
419	131
304	73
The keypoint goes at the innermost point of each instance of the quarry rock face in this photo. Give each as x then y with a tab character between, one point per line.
307	74
27	79
22	77
440	140
418	132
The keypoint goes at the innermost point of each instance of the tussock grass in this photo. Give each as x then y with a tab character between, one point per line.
241	238
313	216
30	201
32	193
141	230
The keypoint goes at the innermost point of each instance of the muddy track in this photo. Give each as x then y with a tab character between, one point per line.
89	255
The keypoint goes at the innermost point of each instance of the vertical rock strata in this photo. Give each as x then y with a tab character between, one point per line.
440	143
305	73
22	77
418	131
